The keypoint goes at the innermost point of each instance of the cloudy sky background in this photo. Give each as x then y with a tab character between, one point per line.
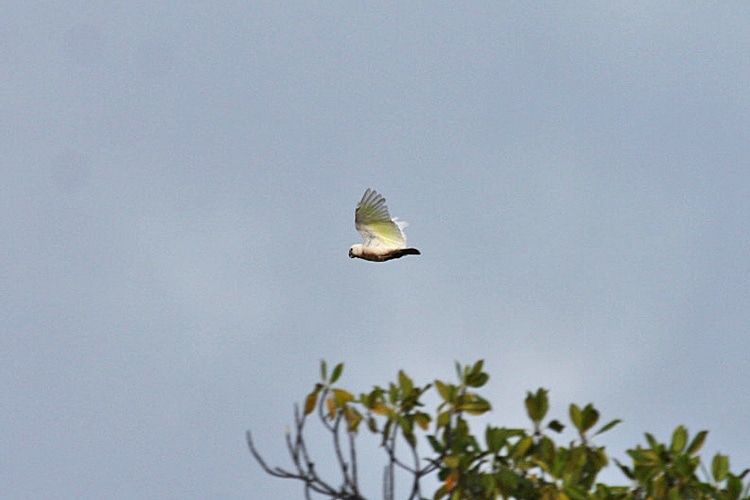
178	183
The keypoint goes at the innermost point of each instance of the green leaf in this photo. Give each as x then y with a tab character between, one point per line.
422	420
405	382
405	424
674	493
679	439
323	371
451	461
576	416
590	417
573	492
446	391
392	394
410	438
697	443
608	426
625	470
649	457
475	407
556	426
375	397
436	446
720	467
372	424
537	405
522	446
734	486
336	373
443	418
508	480
652	442
477	380
545	452
477	368
494	439
476	377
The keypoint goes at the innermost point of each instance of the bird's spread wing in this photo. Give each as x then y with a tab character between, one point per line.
374	223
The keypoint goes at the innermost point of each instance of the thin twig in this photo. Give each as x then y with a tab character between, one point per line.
353	460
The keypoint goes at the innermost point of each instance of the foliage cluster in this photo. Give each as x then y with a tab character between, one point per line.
503	462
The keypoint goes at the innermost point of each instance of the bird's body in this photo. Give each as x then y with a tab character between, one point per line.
380	254
384	238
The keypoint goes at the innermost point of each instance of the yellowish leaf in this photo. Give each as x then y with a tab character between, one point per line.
380	408
451	480
341	397
331	405
310	402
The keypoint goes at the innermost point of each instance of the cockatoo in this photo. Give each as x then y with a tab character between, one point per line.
384	237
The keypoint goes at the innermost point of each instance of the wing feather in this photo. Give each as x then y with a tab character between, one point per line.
374	223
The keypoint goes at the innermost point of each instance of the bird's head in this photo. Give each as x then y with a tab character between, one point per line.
355	251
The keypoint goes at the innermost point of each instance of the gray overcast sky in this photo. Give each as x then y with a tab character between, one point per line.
178	185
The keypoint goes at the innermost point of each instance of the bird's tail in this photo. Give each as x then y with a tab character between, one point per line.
397	254
410	251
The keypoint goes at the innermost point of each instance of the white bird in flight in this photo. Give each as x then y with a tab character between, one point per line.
384	238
